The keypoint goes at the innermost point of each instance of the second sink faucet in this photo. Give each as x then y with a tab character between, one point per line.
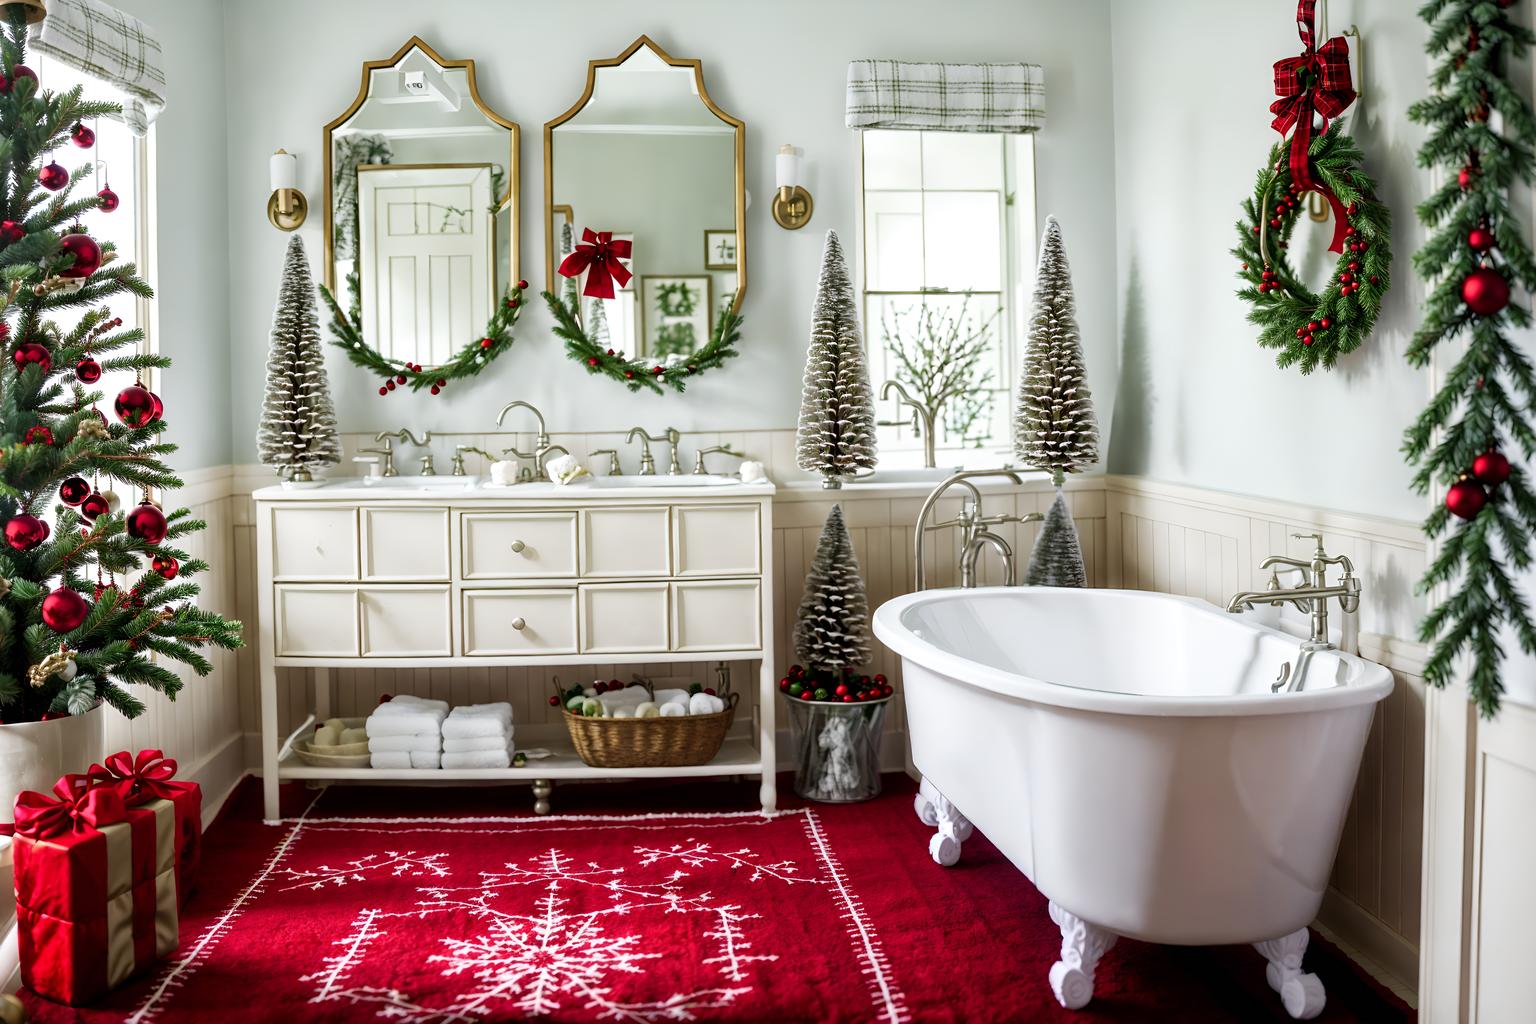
541	446
647	461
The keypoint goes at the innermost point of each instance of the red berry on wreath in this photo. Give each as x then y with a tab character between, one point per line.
486	343
383	391
658	371
1307	340
629	374
441	382
1300	331
1465	499
1312	326
592	360
610	351
1352	209
1485	291
436	390
1464	178
1324	323
1274	222
1375	279
522	284
1354	265
389	385
1491	467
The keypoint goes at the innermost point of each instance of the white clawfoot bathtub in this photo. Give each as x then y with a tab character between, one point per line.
1124	750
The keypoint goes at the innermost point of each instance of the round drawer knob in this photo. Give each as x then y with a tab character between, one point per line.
518	623
518	546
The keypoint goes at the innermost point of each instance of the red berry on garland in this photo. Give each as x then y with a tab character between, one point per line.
1307	340
95	504
82	136
1375	279
74	490
658	371
1491	467
11	232
88	371
1312	326
389	385
166	566
147	523
842	690
1325	323
53	177
441	382
135	406
383	391
1480	239
29	352
109	200
1485	292
436	390
86	252
522	284
629	374
1274	222
1466	498
592	360
1464	178
64	610
25	531
485	342
1353	265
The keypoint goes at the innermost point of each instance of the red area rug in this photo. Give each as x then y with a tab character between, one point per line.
428	907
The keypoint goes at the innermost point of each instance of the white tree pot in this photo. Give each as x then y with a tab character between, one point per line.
33	755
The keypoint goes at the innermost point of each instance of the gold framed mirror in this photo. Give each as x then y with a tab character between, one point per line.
421	216
646	155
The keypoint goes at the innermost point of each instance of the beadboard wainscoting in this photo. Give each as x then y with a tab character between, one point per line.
1182	540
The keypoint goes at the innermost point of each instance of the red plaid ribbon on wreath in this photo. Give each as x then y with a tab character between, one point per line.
1317	81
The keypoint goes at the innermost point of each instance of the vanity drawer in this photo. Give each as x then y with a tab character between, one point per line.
315	622
716	540
314	544
405	544
625	542
498	623
523	545
405	622
717	615
617	618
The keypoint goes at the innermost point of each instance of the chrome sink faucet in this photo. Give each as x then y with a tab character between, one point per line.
698	457
1311	596
541	447
921	421
614	467
647	461
973	523
388	451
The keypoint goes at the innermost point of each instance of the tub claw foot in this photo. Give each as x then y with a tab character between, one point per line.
1301	994
934	809
1082	944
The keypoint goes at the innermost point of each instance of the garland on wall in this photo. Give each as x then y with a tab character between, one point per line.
1482	133
1312	329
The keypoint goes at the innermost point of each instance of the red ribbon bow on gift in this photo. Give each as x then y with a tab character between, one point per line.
602	252
76	805
138	779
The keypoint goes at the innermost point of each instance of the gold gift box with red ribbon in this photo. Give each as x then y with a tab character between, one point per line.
102	865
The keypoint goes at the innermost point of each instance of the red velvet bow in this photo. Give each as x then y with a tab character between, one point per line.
602	252
75	806
1317	81
138	779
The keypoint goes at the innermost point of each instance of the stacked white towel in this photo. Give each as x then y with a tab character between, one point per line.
406	732
478	736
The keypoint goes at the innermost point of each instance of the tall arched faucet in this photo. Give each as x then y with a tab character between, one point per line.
974	534
922	418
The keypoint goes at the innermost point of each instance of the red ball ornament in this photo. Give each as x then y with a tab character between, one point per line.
135	406
1465	499
95	504
11	232
53	177
74	490
109	200
1464	178
29	352
64	610
157	408
82	136
147	523
1485	291
20	71
25	531
1491	467
166	566
88	371
86	252
1480	239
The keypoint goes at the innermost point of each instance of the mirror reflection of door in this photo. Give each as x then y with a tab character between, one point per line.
426	243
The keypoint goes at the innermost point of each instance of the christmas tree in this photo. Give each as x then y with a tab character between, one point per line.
1057	560
837	407
67	638
298	424
597	321
1055	428
1482	134
834	613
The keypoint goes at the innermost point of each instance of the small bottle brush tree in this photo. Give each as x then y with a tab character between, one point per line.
67	641
834	613
1055	428
836	436
298	423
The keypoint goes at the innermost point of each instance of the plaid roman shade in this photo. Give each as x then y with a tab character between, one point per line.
105	43
931	96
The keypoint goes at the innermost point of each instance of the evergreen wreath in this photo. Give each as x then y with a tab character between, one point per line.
1311	329
635	374
347	326
1474	256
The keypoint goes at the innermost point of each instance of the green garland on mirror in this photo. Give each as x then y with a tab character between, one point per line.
346	325
1308	328
640	373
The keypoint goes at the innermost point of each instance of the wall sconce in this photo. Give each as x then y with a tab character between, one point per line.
792	204
287	207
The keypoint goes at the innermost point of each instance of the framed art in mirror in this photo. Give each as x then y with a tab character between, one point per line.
636	172
421	222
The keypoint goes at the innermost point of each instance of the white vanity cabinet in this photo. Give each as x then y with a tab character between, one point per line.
402	575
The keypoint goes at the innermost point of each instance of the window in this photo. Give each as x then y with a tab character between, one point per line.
949	240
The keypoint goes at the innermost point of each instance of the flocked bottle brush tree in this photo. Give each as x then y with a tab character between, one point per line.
836	435
297	435
1055	428
73	631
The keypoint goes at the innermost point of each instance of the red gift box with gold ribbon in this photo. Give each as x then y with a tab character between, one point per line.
102	865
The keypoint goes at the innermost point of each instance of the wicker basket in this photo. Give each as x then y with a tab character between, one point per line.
650	742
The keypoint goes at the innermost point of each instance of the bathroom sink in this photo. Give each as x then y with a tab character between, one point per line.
682	480
417	483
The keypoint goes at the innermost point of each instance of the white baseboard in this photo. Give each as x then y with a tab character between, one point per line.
1385	955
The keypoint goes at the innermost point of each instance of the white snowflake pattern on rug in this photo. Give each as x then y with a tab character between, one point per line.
542	959
391	863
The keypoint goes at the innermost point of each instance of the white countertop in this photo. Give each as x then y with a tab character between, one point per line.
452	489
